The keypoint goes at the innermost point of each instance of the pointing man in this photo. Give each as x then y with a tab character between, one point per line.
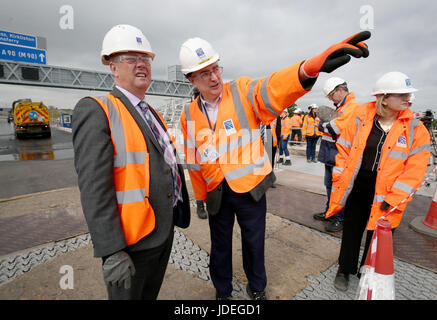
227	163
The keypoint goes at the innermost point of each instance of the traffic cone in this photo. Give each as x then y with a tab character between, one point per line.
428	225
377	274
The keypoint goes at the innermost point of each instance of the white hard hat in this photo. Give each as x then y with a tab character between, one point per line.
393	82
312	106
124	38
196	54
331	84
298	110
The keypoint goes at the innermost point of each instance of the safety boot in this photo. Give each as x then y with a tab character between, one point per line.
201	210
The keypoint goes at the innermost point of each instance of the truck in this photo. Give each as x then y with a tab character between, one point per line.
30	118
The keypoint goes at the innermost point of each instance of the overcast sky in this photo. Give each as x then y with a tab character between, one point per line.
254	38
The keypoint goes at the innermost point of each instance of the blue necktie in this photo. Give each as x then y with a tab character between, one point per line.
177	183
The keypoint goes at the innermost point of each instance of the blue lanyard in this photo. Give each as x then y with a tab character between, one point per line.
207	117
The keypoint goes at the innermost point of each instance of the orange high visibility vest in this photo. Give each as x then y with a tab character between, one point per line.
273	128
131	170
234	150
310	126
401	169
285	127
296	121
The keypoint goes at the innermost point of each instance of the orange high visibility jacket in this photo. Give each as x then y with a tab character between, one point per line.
285	128
310	126
403	163
234	150
296	121
131	170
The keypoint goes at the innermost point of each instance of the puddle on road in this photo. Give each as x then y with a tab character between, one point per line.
43	155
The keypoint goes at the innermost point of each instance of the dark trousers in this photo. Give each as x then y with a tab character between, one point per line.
251	217
356	216
150	266
311	147
295	132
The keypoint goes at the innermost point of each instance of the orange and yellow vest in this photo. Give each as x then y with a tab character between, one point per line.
310	127
131	170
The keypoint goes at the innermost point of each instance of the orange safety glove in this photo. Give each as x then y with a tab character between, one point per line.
337	55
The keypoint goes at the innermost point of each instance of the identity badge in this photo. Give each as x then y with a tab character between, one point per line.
210	154
229	127
402	142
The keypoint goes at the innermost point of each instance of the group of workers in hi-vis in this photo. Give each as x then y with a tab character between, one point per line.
132	183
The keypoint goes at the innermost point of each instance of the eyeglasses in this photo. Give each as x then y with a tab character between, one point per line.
332	93
132	59
206	75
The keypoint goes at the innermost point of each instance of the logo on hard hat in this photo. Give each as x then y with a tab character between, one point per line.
200	53
408	82
139	40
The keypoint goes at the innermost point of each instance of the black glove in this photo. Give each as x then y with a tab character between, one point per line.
385	206
118	270
337	55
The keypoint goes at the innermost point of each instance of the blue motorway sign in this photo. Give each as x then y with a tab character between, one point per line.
17	39
22	54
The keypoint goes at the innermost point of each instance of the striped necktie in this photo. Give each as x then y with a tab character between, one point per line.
170	159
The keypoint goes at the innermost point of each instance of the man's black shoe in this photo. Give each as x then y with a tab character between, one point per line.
321	216
341	281
201	211
334	226
255	295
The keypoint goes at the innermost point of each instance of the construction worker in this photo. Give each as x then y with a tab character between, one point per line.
383	156
335	90
286	124
233	170
121	149
310	132
296	126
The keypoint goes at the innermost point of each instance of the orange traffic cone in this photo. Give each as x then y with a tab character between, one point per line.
428	225
377	274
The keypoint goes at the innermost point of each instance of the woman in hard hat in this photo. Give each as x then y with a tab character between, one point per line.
311	133
383	155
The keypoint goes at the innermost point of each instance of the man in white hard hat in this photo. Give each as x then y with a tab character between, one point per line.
336	90
122	148
227	162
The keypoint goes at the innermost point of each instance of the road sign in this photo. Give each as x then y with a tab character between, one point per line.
17	39
22	54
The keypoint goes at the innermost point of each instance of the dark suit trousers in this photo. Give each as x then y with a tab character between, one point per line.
251	217
150	266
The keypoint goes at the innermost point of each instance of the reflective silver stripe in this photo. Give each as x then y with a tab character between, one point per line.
413	124
337	170
334	127
250	96
351	183
328	138
129	196
403	186
117	130
344	143
189	143
266	99
193	167
208	180
398	155
244	171
238	105
249	137
378	198
426	147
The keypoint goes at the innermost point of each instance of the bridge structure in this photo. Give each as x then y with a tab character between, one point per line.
29	74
